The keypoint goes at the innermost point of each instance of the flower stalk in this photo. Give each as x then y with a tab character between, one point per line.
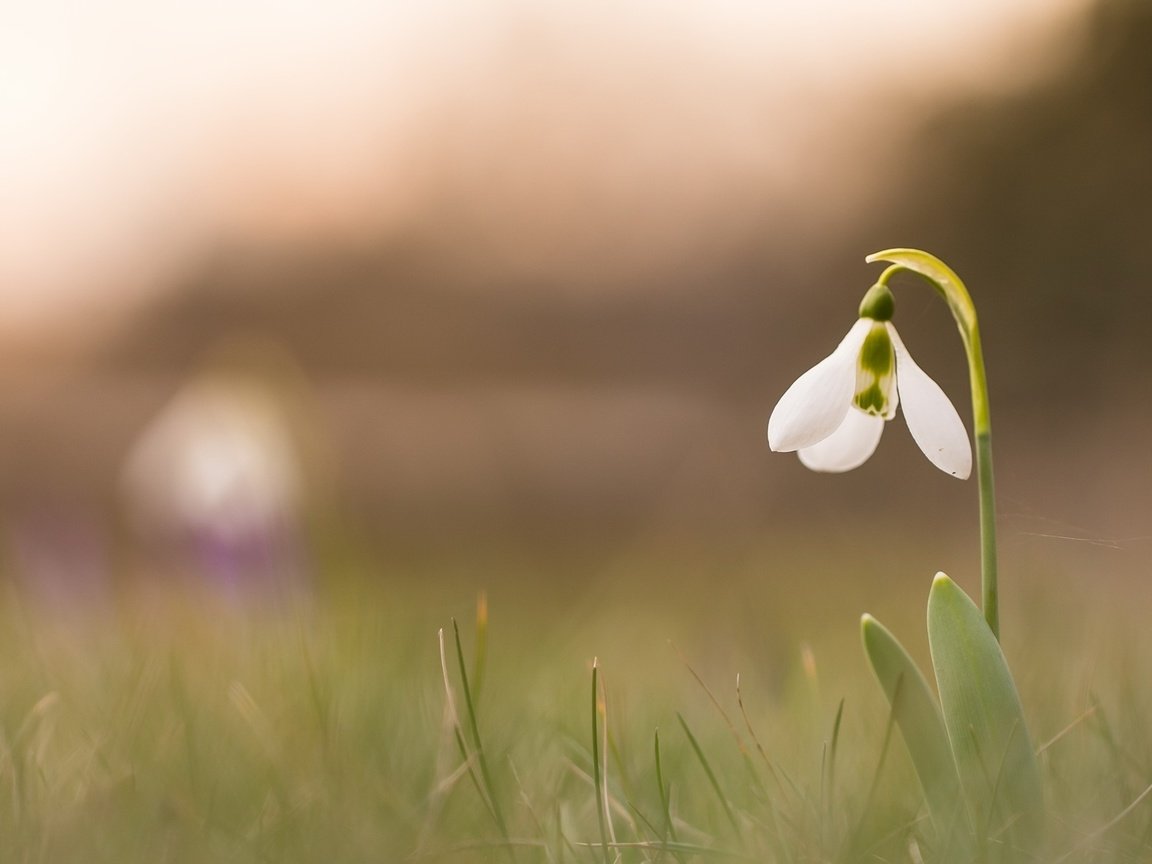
952	290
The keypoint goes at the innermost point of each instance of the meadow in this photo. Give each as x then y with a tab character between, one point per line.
383	393
171	724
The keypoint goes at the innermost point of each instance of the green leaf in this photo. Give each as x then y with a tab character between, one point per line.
990	743
918	717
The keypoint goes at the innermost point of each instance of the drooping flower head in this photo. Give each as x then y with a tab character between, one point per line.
833	414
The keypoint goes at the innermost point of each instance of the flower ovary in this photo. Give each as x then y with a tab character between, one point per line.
878	304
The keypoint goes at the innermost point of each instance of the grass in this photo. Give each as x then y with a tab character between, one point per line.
333	728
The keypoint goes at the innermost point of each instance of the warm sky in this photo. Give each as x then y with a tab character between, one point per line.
134	134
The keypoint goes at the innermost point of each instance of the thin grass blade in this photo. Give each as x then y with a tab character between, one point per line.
666	802
721	797
597	776
477	744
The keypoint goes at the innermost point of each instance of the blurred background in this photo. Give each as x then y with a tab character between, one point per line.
285	285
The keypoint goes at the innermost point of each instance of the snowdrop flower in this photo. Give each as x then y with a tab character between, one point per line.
834	413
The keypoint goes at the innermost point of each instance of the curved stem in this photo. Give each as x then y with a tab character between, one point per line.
948	284
989	583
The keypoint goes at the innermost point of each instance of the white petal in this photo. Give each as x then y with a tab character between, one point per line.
848	447
816	403
932	419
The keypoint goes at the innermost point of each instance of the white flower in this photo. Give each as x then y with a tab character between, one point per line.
834	413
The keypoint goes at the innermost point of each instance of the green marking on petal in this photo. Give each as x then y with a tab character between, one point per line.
875	374
877	356
871	400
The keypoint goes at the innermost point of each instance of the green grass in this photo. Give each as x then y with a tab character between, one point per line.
175	728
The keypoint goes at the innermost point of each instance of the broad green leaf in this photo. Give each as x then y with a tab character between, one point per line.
990	743
918	717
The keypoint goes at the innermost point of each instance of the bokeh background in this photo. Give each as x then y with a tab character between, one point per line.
286	288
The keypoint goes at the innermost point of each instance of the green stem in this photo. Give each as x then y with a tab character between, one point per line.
989	584
949	286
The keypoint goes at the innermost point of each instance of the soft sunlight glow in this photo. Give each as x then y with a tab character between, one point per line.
134	134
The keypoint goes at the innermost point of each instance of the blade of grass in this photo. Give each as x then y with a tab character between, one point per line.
1069	728
627	788
434	806
1121	756
692	848
531	811
473	755
755	738
665	790
710	774
732	729
712	698
821	808
474	726
870	797
638	819
1103	829
597	778
665	798
829	802
773	809
785	784
458	732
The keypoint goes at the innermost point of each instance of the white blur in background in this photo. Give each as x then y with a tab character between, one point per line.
214	486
